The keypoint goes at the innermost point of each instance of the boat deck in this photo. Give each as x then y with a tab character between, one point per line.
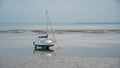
42	46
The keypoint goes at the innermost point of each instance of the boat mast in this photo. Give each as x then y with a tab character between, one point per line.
47	22
49	26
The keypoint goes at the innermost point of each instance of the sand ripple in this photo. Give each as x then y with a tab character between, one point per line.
59	62
65	31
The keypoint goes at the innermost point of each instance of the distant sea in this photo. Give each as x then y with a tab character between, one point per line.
42	26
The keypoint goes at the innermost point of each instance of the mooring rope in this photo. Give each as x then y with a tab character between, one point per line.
49	23
53	33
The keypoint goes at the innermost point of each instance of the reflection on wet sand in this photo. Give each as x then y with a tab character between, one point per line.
44	52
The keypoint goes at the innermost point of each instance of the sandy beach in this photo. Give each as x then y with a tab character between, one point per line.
58	62
80	49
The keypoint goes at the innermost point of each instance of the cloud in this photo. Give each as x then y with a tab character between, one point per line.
60	10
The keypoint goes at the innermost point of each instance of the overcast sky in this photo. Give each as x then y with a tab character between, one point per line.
60	11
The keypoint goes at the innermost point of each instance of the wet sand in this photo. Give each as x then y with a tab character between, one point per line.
80	49
65	31
58	62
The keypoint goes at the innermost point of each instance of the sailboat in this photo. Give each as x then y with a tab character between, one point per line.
44	41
